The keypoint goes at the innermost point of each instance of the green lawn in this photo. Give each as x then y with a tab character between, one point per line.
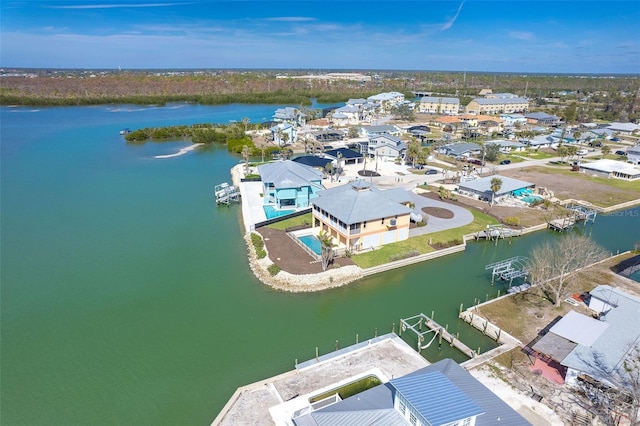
420	244
294	221
537	154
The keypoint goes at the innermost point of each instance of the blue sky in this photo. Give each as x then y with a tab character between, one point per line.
472	35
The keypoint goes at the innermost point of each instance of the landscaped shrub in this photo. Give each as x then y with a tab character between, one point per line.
258	244
511	221
273	269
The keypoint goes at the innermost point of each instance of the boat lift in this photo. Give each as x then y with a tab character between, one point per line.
226	194
509	269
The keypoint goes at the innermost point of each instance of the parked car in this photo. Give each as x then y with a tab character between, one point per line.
476	161
506	161
582	152
615	139
621	152
431	172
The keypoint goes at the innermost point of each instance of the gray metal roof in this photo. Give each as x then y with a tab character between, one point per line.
460	148
483	185
439	100
436	398
355	202
500	101
289	174
579	328
542	116
603	360
376	404
506	144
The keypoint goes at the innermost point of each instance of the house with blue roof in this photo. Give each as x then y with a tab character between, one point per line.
284	134
290	115
442	394
289	184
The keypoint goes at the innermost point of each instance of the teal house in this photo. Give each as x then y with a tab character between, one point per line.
287	184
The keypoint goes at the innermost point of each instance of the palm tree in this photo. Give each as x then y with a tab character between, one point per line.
496	184
245	156
327	245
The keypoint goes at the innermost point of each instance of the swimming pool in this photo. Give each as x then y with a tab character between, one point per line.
272	212
312	242
530	199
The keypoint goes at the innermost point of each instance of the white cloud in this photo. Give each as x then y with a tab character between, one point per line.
449	24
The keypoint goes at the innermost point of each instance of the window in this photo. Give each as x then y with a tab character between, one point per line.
412	419
402	407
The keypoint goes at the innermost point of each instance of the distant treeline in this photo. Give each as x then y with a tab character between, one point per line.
223	87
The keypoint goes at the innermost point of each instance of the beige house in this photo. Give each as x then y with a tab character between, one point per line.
498	104
438	105
360	217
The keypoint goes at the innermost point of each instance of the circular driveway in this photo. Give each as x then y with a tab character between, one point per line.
461	216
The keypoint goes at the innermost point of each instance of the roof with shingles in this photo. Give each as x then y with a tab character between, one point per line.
357	202
289	174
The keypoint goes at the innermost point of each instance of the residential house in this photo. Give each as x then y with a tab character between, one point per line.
481	188
284	134
346	115
289	184
624	128
290	115
371	131
507	146
497	105
386	101
359	216
513	119
441	394
344	156
540	141
542	118
439	105
594	349
460	149
633	155
611	169
384	146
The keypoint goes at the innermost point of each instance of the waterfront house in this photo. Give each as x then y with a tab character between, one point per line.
386	101
289	184
481	188
441	394
359	216
439	105
290	115
284	134
594	349
611	169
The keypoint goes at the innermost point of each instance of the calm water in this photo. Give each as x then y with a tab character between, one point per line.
126	295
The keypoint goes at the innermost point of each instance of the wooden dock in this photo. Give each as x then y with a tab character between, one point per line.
562	224
439	332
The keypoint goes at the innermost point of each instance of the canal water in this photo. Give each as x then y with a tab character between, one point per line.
126	296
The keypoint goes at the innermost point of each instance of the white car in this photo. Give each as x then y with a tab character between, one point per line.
582	152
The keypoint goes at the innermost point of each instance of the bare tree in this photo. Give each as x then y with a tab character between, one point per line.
553	262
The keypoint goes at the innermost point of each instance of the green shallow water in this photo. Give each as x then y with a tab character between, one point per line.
126	296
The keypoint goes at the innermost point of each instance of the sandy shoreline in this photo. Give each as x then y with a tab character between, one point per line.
181	152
